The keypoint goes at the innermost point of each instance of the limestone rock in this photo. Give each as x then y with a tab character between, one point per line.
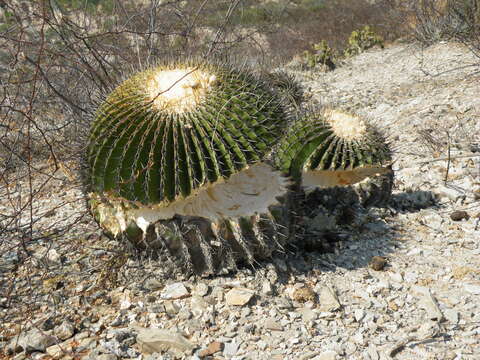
65	330
327	355
239	296
272	324
174	291
157	340
31	341
328	299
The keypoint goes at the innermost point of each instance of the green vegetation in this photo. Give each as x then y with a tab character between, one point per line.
251	13
322	54
91	6
361	40
312	5
8	21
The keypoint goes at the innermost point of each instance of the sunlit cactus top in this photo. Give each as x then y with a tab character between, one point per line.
169	130
330	147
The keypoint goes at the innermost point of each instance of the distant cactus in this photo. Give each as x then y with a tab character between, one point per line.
322	54
361	40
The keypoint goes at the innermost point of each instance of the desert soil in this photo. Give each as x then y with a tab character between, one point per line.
405	284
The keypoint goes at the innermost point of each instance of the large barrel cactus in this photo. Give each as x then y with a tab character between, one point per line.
176	157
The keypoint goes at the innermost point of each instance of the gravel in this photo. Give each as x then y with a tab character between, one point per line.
404	284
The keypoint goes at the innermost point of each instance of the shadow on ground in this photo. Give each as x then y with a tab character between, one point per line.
350	235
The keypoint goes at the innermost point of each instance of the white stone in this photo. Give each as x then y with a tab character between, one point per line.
201	289
448	193
328	299
198	305
397	277
272	324
64	331
230	349
153	284
451	315
56	351
267	288
411	277
327	355
429	303
308	314
33	340
157	340
373	353
359	314
125	303
174	291
238	296
473	289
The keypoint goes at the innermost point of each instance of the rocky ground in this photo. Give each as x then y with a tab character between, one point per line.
404	285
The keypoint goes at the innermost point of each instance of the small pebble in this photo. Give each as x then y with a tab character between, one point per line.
238	296
378	263
459	215
213	347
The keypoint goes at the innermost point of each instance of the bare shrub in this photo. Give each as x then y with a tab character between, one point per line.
447	20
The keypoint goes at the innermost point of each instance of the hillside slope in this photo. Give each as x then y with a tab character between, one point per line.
81	294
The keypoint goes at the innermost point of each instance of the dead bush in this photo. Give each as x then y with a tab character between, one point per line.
437	20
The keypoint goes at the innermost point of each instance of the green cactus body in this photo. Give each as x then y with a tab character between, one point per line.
287	85
168	131
332	148
181	146
340	165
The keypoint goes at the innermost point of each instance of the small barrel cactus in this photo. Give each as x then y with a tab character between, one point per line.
341	166
331	147
288	86
176	164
